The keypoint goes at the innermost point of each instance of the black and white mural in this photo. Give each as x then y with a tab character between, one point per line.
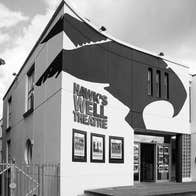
103	88
91	56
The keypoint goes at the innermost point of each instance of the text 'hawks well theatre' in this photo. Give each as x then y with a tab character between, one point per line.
109	113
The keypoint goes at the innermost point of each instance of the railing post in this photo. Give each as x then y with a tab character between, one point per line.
3	181
42	179
58	180
38	179
12	184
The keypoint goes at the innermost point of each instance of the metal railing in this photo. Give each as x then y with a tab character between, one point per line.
29	180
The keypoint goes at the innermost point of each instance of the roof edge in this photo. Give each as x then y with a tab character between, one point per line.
120	41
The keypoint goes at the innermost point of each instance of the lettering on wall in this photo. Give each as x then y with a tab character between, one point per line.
89	107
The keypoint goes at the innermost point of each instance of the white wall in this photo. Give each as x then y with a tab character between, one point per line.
77	177
41	126
193	105
193	156
193	128
159	115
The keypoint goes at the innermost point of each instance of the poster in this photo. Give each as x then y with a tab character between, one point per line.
116	147
166	159
160	149
97	148
166	150
163	159
160	159
136	168
136	154
161	168
79	145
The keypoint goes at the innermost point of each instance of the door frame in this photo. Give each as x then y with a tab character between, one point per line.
170	159
139	166
155	161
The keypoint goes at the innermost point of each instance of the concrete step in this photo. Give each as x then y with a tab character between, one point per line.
91	194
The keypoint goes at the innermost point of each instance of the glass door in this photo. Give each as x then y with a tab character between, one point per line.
147	168
163	162
136	162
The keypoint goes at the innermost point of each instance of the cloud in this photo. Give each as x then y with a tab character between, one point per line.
169	26
4	37
9	18
51	4
21	45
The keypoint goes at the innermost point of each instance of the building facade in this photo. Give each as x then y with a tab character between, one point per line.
1	124
109	113
193	127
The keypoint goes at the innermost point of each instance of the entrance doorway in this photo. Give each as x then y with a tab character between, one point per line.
153	159
147	157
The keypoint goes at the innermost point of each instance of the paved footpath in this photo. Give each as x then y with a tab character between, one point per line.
148	189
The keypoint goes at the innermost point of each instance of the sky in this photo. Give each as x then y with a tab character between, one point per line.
158	26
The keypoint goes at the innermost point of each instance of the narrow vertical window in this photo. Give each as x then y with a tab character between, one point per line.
150	84
30	89
8	156
28	152
158	83
190	102
9	112
166	85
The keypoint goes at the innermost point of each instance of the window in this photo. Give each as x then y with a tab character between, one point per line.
9	112
28	151
150	84
8	156
30	90
186	156
190	102
158	83
166	85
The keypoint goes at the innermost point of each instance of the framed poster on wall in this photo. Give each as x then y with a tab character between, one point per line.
79	146
116	149
97	148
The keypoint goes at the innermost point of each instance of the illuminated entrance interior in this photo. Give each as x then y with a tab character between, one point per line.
153	158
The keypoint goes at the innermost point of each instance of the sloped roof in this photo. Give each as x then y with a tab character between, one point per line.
104	33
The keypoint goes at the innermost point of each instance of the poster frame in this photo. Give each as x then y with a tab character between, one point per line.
92	158
116	160
76	158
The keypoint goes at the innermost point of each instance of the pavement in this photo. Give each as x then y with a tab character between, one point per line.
148	189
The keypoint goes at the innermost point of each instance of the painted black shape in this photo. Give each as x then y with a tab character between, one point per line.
127	79
123	68
78	32
57	28
54	69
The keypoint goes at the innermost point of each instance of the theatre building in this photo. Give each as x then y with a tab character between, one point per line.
109	113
